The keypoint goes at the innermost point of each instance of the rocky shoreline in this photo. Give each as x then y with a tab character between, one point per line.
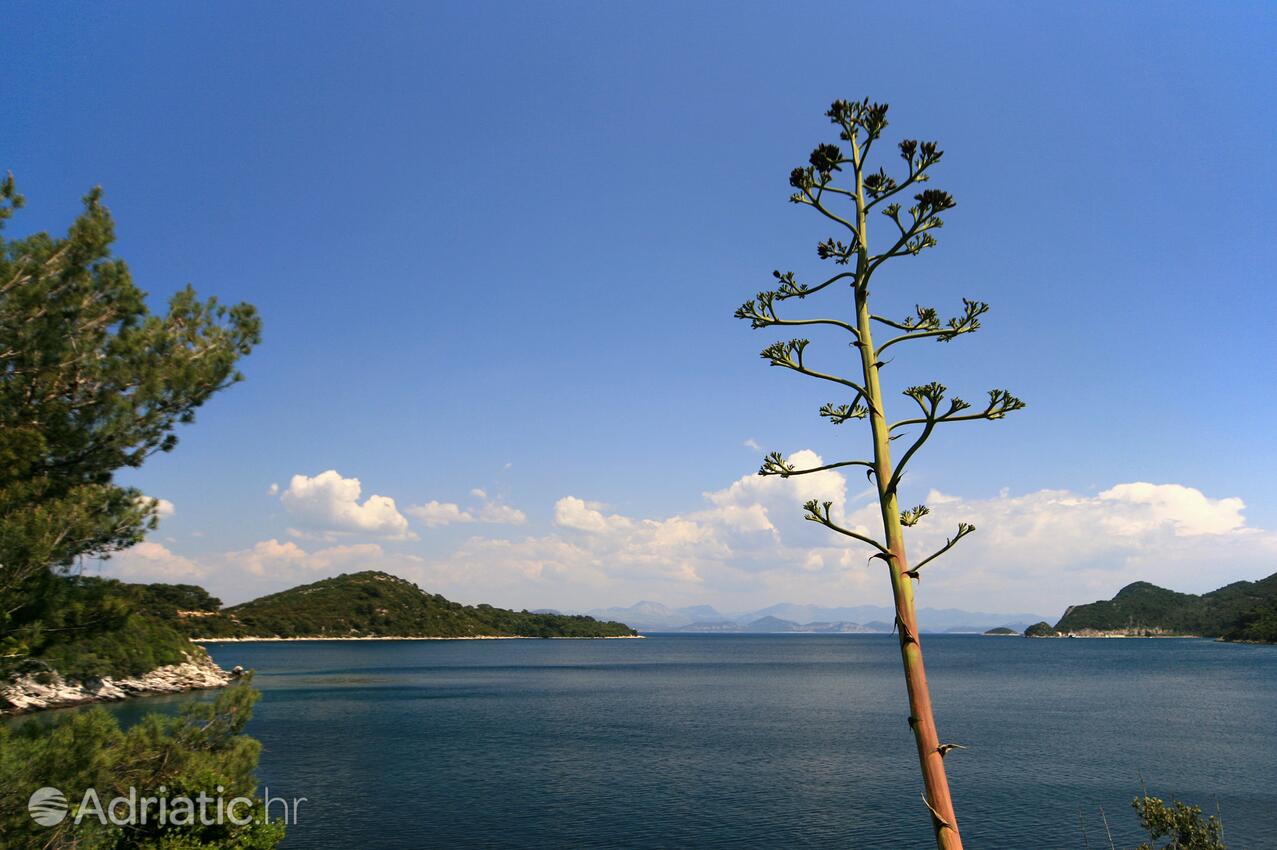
39	691
406	637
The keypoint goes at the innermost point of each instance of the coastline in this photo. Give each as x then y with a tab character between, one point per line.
201	641
39	691
1116	636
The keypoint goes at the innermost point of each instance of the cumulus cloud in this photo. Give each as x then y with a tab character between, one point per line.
435	514
329	504
571	512
273	558
1142	506
1059	547
501	514
747	545
748	538
1040	550
149	561
163	507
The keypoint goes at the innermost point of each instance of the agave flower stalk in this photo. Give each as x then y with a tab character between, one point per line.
847	204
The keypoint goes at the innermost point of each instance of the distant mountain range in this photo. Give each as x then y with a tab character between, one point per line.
789	617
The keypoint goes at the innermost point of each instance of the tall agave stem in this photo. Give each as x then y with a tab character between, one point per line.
921	718
861	124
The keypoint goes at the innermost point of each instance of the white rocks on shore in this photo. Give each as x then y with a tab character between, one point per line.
27	693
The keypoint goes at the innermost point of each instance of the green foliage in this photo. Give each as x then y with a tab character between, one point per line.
195	752
376	604
91	627
1244	610
1043	629
165	601
90	382
1257	624
1182	824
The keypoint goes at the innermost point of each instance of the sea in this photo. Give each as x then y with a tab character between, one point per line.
753	741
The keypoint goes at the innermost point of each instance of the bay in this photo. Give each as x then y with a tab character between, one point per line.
752	741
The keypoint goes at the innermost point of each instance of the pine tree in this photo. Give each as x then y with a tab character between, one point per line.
91	382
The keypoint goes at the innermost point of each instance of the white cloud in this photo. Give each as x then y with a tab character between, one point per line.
501	514
571	512
435	514
1036	551
751	443
329	504
273	559
272	490
163	507
747	545
1057	547
1142	506
152	562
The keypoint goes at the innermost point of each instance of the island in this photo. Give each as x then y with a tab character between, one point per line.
1002	631
1244	611
144	638
363	605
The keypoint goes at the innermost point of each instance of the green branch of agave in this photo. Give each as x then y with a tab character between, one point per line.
911	517
838	414
789	355
963	530
927	324
774	464
929	396
819	512
761	313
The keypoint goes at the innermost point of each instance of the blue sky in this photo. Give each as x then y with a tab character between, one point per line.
497	247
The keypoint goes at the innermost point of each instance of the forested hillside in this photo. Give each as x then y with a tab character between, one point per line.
1243	610
364	604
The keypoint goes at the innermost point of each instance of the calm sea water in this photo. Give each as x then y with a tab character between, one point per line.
753	741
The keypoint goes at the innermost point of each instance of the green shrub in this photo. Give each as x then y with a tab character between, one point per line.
193	753
1182	824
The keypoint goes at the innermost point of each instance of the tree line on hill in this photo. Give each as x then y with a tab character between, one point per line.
1241	611
363	604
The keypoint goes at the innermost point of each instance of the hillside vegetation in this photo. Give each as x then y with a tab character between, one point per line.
1244	610
87	628
364	604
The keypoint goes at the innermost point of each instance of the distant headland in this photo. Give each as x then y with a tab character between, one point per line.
1244	611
